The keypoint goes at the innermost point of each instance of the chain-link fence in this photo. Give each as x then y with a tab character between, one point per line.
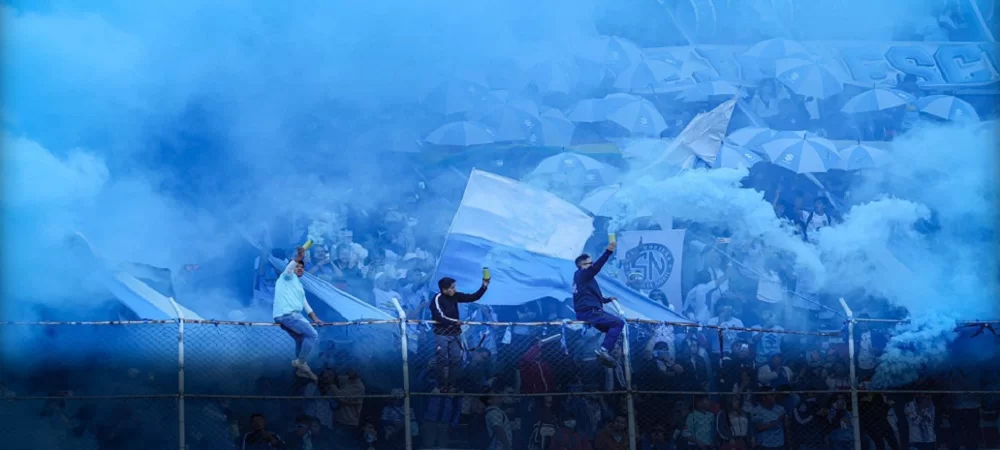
406	385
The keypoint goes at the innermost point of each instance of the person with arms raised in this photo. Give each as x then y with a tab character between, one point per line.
588	302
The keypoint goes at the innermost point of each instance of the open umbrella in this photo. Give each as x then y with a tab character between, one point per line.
733	157
805	158
556	129
605	201
612	51
638	116
644	74
774	49
513	120
552	77
705	90
751	137
595	170
947	107
808	78
456	96
860	156
588	110
822	146
876	100
462	133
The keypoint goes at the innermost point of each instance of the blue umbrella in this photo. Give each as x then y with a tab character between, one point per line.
947	107
804	158
774	49
876	100
705	90
792	142
733	157
808	78
860	156
644	74
588	110
751	137
638	116
556	129
456	96
461	134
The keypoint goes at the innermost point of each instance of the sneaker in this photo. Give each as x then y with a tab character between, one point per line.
302	369
605	358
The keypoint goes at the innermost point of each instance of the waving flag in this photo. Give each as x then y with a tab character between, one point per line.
528	238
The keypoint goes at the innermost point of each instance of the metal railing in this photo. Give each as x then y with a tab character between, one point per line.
541	372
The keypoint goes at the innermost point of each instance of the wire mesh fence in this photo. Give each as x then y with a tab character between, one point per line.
221	385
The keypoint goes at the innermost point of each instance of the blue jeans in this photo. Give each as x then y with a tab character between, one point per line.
606	323
842	445
302	331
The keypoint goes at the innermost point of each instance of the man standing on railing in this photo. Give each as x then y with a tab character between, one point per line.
588	302
448	328
289	301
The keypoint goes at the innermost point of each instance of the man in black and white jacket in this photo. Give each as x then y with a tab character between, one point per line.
448	327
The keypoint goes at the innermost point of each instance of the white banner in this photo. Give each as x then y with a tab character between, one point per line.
651	261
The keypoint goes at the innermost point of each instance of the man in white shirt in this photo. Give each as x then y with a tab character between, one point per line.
814	220
289	301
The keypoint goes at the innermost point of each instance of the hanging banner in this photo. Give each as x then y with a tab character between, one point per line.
650	261
937	65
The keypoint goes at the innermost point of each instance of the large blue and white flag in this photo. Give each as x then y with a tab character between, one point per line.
528	238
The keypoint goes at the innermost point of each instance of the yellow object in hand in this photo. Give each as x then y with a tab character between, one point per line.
309	243
486	273
611	238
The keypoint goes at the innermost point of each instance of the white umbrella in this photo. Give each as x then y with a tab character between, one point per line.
569	162
556	130
791	142
751	137
644	74
588	110
876	100
860	156
461	134
637	115
947	107
807	159
774	49
605	201
733	157
456	96
808	78
552	77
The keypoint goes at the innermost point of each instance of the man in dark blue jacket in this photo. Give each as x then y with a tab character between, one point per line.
588	302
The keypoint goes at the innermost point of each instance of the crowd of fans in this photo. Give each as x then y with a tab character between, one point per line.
737	381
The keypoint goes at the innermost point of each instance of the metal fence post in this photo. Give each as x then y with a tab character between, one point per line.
855	420
181	426
626	350
406	374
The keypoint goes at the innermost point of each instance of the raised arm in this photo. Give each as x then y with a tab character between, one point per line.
475	296
594	269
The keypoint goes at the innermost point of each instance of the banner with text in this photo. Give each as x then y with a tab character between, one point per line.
937	65
650	261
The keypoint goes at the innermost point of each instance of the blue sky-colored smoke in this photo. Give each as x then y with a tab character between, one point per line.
157	128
